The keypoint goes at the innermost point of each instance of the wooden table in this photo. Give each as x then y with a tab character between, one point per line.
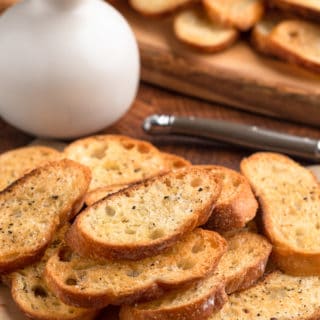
152	100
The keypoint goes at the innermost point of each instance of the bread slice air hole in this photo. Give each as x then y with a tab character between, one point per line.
156	234
196	182
39	291
186	264
133	273
110	211
99	153
71	281
293	34
127	145
65	254
198	247
142	148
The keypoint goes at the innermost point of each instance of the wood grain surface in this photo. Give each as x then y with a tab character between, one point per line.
238	76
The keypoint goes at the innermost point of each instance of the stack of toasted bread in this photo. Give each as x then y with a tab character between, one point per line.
286	29
159	237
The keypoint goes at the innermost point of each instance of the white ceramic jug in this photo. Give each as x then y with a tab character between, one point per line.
67	67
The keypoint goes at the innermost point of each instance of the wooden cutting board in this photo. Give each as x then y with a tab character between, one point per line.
237	77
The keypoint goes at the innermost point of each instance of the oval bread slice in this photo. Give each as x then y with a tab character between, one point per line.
146	218
115	159
241	14
194	28
289	196
33	296
32	208
241	266
278	296
157	7
89	283
15	163
296	41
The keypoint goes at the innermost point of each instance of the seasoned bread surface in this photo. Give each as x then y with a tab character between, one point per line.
172	162
146	218
296	41
33	296
15	163
289	196
117	159
88	283
194	28
278	296
157	7
242	264
32	208
236	205
242	14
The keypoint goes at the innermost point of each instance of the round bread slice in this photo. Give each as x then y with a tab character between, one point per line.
157	7
194	28
241	14
35	299
278	296
296	41
15	163
95	283
289	196
33	207
146	218
241	266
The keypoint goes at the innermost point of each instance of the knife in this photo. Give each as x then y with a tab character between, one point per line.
252	137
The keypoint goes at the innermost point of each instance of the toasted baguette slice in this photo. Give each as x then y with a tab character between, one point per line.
194	28
117	159
158	7
34	298
261	33
236	205
310	9
278	296
15	163
296	41
239	267
88	283
172	162
146	218
289	196
241	14
32	208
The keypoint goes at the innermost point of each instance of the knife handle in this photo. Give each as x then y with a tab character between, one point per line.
237	134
